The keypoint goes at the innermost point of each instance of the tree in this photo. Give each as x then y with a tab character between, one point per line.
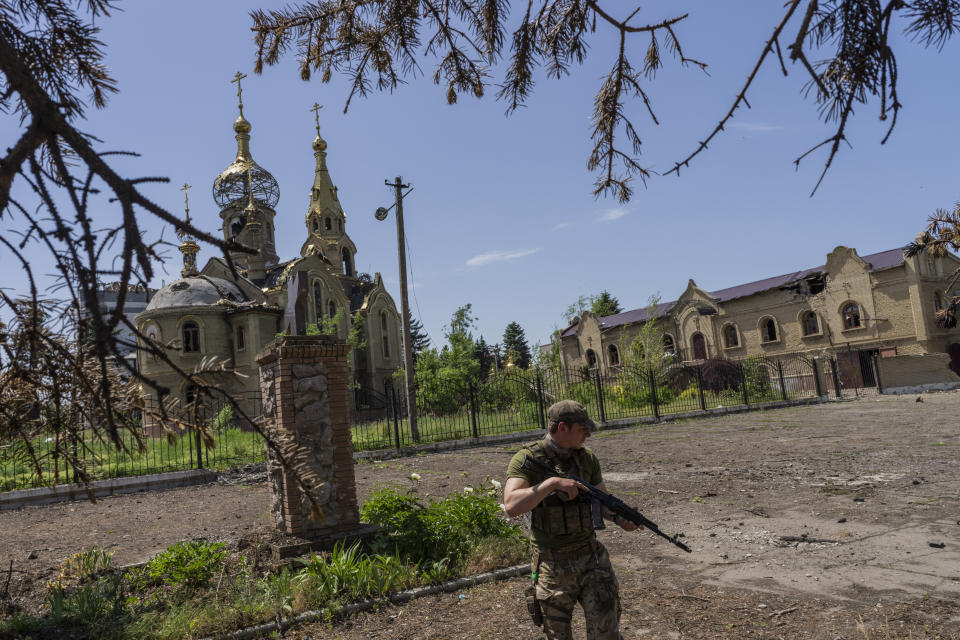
605	304
419	340
941	235
646	349
485	358
60	195
515	347
380	42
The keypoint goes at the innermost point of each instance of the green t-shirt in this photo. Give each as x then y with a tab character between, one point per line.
584	464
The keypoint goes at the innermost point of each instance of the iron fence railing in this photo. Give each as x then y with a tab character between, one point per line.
508	401
232	442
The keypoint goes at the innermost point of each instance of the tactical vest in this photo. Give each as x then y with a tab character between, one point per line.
554	515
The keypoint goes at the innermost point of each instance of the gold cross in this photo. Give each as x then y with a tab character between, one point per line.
237	78
316	115
186	199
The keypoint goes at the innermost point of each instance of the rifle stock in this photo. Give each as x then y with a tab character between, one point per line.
610	501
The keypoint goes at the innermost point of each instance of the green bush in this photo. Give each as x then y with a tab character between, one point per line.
183	567
440	534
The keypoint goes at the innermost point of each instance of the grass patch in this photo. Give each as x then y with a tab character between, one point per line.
197	589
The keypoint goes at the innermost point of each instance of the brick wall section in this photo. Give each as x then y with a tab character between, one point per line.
910	370
320	363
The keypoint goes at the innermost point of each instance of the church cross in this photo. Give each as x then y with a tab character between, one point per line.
237	78
316	115
186	199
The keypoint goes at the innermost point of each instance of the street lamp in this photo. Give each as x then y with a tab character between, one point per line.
381	214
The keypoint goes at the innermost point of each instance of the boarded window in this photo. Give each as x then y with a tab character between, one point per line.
191	337
851	316
730	337
811	326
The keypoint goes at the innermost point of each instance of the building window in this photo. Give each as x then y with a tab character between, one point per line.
591	358
332	308
851	316
190	394
768	330
347	266
937	301
668	347
191	337
316	225
269	233
241	339
153	336
384	333
811	326
614	355
317	297
730	337
327	225
699	345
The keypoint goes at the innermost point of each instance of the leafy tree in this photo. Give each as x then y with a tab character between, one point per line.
605	304
515	345
941	235
444	375
380	43
645	350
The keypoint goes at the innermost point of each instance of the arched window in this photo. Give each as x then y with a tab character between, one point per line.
153	335
768	330
347	266
191	337
851	316
730	337
591	358
317	301
937	301
668	347
699	344
811	326
332	308
316	225
384	334
614	355
327	225
241	338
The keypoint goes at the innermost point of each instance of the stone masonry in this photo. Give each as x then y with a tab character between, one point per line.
306	410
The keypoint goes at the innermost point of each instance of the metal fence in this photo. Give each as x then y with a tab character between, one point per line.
516	400
233	442
506	402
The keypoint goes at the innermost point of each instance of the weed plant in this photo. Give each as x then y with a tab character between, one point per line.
196	589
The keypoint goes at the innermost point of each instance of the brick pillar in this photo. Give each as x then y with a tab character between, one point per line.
306	408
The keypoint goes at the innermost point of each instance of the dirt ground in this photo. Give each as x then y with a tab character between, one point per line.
821	522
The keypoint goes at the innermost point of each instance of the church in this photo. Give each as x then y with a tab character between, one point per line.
216	313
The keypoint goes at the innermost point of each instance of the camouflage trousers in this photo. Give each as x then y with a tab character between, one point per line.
585	576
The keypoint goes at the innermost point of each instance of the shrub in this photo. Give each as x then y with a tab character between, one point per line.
183	567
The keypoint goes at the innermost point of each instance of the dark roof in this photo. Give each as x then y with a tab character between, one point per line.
274	272
358	293
877	261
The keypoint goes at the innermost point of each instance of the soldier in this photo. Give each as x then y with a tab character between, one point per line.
569	565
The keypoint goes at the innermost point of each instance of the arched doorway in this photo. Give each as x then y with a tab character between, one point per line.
699	344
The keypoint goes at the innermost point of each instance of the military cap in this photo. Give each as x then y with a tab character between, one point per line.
571	412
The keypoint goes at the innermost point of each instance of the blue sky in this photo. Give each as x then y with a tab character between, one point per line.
502	215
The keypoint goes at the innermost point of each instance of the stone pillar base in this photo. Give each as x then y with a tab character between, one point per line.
291	546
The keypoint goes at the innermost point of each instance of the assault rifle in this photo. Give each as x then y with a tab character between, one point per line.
613	503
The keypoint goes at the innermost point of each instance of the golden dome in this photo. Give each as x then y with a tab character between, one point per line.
241	125
319	144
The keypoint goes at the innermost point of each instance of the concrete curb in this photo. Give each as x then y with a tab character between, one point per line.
102	488
366	605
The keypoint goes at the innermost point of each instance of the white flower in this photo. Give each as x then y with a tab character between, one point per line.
468	489
496	484
415	477
503	507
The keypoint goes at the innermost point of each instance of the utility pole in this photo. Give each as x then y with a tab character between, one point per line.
381	214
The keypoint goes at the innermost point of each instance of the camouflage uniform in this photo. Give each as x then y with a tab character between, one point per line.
569	564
